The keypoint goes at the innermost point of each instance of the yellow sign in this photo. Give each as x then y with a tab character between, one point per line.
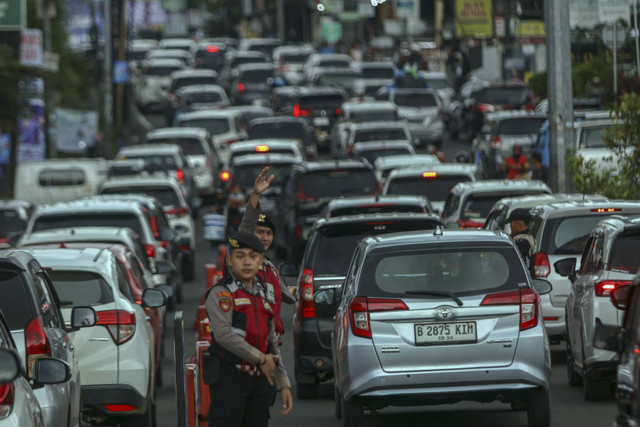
531	28
473	19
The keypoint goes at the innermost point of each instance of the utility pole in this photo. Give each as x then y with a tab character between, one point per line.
107	65
280	20
560	89
122	41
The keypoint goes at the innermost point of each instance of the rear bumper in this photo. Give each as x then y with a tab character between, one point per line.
554	320
312	358
95	397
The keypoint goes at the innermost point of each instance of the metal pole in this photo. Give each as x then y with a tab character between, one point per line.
560	89
107	64
280	19
46	26
635	24
181	373
615	58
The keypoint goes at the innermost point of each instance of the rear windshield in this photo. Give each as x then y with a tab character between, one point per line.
246	60
378	73
166	195
339	182
567	236
287	151
245	176
521	126
379	208
214	126
624	257
190	146
10	222
334	63
503	96
374	116
415	100
160	71
333	247
593	137
256	76
98	219
155	163
468	270
80	288
136	55
380	135
321	102
438	83
372	155
335	79
435	189
14	303
203	98
294	58
479	206
188	81
277	130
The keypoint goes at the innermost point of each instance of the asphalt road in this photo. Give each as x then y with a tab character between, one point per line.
567	404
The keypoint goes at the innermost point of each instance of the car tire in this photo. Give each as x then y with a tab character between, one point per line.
352	413
306	391
337	401
538	409
572	376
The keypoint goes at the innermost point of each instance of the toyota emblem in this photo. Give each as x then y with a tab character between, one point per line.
444	313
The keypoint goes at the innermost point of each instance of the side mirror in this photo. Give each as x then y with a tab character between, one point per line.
621	297
153	298
9	365
607	337
289	269
167	289
326	297
167	234
565	267
82	317
541	286
164	267
48	370
14	238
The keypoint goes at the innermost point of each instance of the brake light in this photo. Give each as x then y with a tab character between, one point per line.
262	148
529	305
121	324
604	287
338	112
496	142
164	244
603	210
225	176
485	108
180	175
154	227
307	306
298	112
541	266
350	151
429	174
150	250
120	408
36	343
212	48
7	397
241	88
385	304
359	317
177	212
468	223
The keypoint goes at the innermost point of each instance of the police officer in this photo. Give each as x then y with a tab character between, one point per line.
243	342
519	222
257	222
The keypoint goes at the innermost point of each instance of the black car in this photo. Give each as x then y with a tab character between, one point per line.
14	216
285	127
378	204
324	265
308	189
252	82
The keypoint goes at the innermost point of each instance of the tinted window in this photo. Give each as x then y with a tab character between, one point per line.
343	63
624	256
160	71
191	146
277	130
80	288
380	135
567	236
336	79
10	222
461	271
321	102
378	73
503	95
203	98
166	195
245	175
381	208
479	206
192	80
15	302
154	162
294	58
245	60
51	222
338	182
520	126
272	150
593	137
374	116
256	76
51	177
415	100
372	155
214	126
435	189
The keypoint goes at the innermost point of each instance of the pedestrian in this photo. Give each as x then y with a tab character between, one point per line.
519	222
243	363
516	164
539	171
235	200
260	223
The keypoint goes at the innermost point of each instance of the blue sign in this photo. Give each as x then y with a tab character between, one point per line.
121	72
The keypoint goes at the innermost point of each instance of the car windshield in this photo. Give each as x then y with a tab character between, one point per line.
341	80
190	146
333	247
97	219
321	102
569	235
192	80
478	207
378	73
593	137
376	208
80	288
503	96
468	270
14	303
203	98
256	76
380	135
521	126
245	175
154	162
281	130
215	126
338	182
10	222
166	195
160	71
438	84
415	100
294	58
367	116
372	155
435	189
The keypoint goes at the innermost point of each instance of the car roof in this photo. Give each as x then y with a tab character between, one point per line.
368	217
572	207
440	168
375	64
620	224
514	114
14	204
368	106
277	119
176	132
332	164
193	72
15	259
264	159
149	149
595	123
498	185
79	234
189	89
88	205
437	237
210	114
379	145
149	202
311	91
377	125
272	142
400	199
140	181
99	260
531	200
332	56
403	159
163	62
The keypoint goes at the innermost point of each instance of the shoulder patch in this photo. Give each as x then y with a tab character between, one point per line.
224	294
225	305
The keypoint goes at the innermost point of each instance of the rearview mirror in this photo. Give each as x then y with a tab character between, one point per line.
14	238
541	286
167	289
565	267
48	370
153	298
9	365
607	337
82	317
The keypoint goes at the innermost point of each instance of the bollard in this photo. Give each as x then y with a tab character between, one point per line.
192	393
205	398
200	314
211	271
204	333
181	378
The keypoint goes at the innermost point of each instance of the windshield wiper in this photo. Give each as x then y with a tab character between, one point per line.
437	294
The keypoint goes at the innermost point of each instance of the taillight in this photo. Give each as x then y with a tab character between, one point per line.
36	343
350	151
7	396
241	88
180	175
528	300
121	324
604	287
468	223
120	408
164	244
150	250
307	306
177	212
225	176
154	227
485	108
496	143
359	317
385	304
298	112
338	112
541	266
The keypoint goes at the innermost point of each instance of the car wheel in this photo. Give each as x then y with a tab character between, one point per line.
306	391
538	409
337	401
352	413
572	376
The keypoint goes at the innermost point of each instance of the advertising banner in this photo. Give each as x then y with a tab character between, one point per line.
31	47
473	19
76	130
31	117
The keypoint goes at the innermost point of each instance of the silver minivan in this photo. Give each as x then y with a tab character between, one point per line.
438	317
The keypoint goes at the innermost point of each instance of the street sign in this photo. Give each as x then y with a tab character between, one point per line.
13	14
607	36
31	47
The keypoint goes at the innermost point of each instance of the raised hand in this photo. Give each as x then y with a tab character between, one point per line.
262	182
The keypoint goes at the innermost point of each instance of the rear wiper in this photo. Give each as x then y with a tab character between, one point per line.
437	294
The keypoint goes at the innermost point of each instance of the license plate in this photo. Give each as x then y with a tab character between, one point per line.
321	121
445	333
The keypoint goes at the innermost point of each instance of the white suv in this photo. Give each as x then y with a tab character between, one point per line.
116	356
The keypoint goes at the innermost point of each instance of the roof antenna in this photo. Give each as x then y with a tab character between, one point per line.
438	231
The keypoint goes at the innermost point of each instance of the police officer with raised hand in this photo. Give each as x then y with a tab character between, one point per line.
244	363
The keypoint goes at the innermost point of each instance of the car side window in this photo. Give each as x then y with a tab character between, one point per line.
123	281
44	299
451	205
592	259
136	270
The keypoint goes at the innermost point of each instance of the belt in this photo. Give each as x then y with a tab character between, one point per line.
251	370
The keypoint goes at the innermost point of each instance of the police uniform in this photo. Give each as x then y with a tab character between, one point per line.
242	328
277	291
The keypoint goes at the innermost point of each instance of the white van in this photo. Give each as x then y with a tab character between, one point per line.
59	180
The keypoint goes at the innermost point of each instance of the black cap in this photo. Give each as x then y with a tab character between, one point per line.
520	214
242	239
265	221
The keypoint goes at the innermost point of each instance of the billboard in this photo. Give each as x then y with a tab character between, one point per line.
473	19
